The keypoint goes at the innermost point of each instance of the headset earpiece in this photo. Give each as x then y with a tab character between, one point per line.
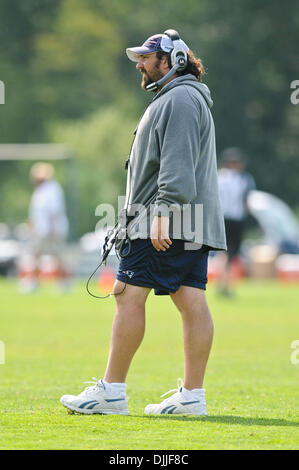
178	56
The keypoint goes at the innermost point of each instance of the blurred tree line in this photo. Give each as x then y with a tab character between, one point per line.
68	80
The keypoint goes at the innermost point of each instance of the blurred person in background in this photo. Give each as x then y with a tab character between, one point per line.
234	186
48	224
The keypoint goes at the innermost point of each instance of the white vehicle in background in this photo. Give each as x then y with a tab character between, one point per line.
277	220
9	251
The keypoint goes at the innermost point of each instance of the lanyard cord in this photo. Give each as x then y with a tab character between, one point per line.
108	249
105	296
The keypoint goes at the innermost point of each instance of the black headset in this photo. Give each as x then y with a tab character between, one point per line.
177	55
177	59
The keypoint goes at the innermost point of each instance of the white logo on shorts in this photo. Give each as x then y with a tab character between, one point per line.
129	273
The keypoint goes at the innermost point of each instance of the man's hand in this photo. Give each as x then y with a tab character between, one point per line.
160	233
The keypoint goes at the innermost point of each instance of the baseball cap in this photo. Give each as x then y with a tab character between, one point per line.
158	42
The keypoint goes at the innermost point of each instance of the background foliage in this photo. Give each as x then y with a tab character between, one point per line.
68	80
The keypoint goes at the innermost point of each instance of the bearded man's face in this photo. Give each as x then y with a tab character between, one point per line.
149	66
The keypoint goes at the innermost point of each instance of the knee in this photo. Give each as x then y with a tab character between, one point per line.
128	298
118	290
199	312
211	324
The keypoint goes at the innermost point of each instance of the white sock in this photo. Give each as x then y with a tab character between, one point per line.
195	392
115	387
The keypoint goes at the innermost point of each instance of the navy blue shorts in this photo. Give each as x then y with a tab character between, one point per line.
164	271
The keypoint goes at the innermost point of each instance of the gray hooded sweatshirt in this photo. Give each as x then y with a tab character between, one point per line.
173	168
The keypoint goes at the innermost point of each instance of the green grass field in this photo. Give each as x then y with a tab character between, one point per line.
53	343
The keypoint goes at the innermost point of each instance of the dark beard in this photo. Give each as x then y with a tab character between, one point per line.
148	79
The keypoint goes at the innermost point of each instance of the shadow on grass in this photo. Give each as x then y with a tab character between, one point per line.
227	419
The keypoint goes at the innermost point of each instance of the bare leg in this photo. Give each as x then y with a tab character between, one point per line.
127	330
225	279
197	333
226	274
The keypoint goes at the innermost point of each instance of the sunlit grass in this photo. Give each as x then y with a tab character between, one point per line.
53	343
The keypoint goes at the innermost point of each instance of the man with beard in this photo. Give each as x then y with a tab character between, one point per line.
172	172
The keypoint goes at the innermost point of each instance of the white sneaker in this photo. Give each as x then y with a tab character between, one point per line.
97	399
179	404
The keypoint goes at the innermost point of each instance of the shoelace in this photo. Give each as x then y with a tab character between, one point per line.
95	386
180	385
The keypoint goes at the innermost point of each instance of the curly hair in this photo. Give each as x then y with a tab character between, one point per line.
194	65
